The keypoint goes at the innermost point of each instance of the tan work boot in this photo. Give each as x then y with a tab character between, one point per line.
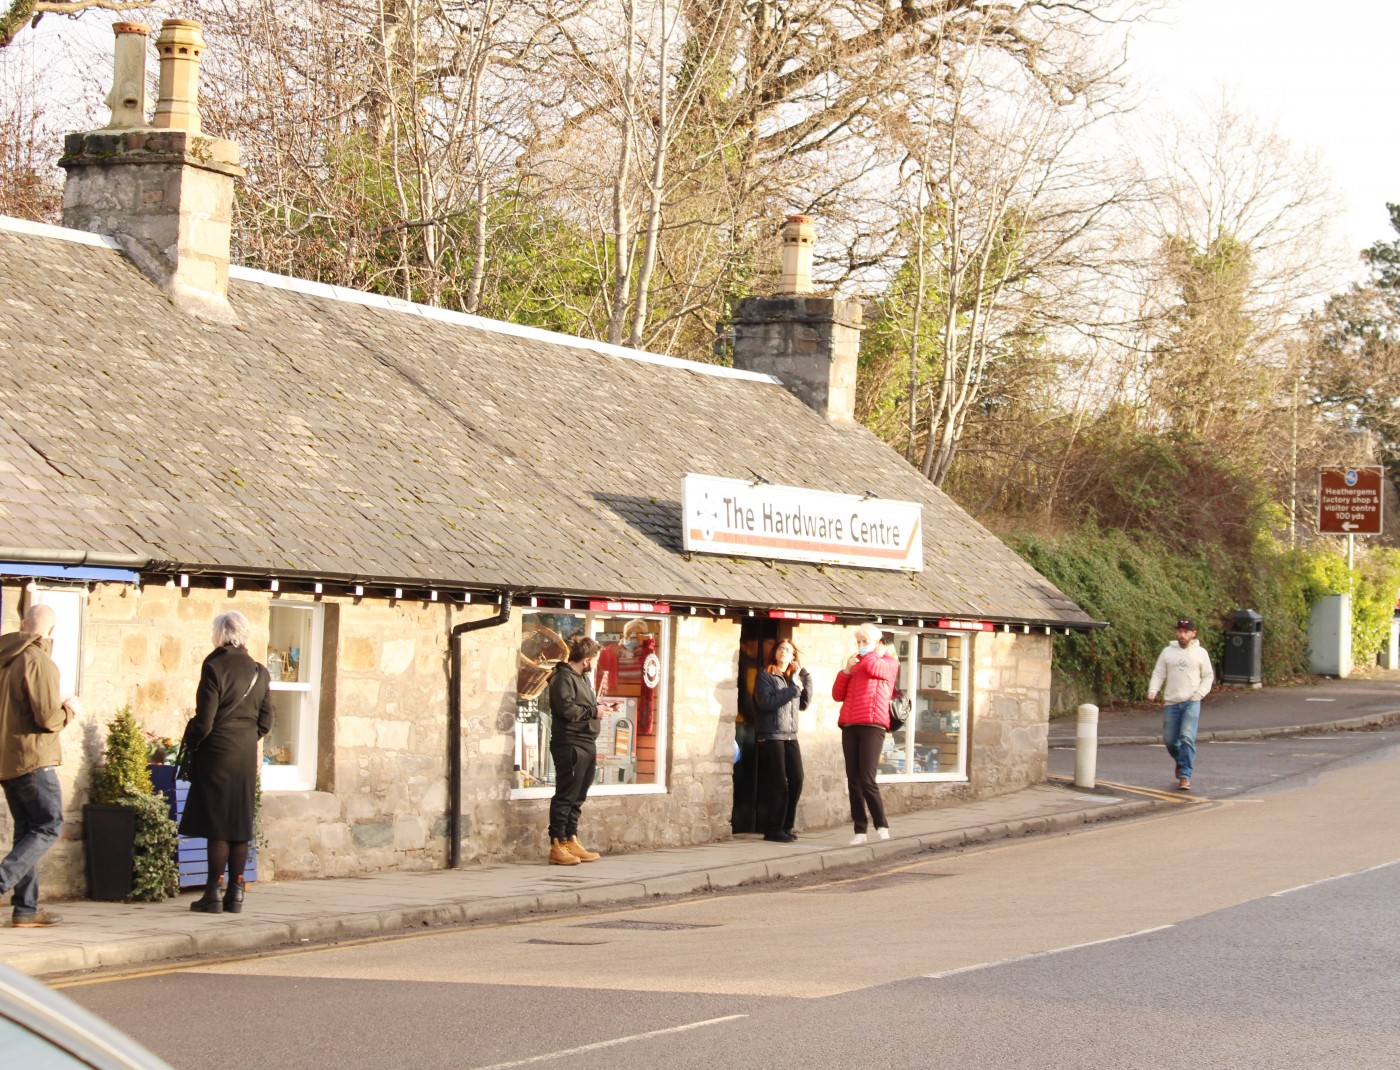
560	855
582	853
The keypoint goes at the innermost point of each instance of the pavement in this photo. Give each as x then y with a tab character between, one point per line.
292	913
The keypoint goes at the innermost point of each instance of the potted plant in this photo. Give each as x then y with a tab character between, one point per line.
127	829
191	852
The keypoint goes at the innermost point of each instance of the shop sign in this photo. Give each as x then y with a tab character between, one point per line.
797	614
742	518
629	607
967	625
1349	500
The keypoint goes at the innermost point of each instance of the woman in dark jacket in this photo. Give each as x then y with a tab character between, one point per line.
782	690
233	710
573	744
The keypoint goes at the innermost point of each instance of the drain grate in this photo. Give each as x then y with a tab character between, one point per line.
567	943
646	926
882	880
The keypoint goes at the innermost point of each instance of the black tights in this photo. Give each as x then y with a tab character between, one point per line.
226	854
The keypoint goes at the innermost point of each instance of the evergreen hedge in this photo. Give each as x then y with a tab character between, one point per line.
1140	587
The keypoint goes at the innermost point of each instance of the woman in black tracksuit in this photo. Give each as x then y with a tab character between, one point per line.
782	690
573	744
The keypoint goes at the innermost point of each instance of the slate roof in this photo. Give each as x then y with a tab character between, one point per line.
337	434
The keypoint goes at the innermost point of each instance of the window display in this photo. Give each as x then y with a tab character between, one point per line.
628	677
932	742
293	665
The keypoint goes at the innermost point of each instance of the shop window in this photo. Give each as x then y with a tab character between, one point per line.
933	671
630	675
68	604
294	639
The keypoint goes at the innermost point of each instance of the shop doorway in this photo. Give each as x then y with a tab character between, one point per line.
757	637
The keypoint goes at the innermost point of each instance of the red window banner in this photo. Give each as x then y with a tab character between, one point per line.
629	607
967	625
797	614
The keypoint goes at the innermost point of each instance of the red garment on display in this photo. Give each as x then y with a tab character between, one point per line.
621	671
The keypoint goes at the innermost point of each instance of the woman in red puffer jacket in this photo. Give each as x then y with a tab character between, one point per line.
864	688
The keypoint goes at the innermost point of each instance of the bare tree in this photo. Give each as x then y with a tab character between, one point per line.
28	12
1244	248
1005	209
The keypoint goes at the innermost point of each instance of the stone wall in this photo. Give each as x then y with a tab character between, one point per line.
381	801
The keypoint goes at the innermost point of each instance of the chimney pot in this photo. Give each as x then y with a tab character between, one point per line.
180	45
128	96
798	237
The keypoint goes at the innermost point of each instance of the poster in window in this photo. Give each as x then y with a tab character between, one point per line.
67	605
611	711
622	738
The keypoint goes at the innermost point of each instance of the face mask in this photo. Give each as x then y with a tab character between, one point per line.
863	650
630	642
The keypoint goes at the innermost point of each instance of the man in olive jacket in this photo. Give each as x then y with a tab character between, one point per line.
31	716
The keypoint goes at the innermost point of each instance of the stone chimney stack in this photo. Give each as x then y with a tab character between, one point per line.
164	191
810	343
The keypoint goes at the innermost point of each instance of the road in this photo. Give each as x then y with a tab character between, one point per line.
1251	926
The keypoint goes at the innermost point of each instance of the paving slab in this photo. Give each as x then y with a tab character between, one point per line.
281	913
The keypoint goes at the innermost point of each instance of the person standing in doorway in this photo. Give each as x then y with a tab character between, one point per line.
1183	675
782	690
31	717
864	688
573	744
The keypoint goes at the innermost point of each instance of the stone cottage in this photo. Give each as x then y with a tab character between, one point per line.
417	508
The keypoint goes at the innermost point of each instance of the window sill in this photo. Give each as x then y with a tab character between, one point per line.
921	778
304	787
594	792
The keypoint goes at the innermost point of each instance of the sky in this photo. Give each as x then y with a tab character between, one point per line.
1324	73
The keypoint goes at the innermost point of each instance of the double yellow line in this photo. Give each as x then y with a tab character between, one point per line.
1155	793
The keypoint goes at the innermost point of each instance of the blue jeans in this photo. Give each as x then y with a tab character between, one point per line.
1179	721
36	804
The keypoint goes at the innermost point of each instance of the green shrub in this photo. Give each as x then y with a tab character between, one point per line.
124	780
123	774
1373	603
157	873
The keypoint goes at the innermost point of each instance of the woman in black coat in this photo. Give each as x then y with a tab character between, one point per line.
233	710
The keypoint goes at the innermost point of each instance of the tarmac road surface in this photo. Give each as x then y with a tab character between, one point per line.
1254	929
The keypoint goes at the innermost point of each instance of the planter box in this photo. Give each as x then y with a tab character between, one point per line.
192	852
109	836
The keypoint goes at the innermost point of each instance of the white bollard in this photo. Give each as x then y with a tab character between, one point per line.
1086	746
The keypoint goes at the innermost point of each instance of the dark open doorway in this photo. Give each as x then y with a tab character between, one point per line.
757	637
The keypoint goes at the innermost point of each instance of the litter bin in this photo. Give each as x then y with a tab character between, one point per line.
1244	649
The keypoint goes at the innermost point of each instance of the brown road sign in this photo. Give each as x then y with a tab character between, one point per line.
1349	500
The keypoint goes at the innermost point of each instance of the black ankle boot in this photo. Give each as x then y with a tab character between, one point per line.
209	902
233	898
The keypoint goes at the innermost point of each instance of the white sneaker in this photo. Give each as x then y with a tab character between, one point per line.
857	839
882	834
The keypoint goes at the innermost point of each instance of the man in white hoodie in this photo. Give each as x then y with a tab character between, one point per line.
1184	668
